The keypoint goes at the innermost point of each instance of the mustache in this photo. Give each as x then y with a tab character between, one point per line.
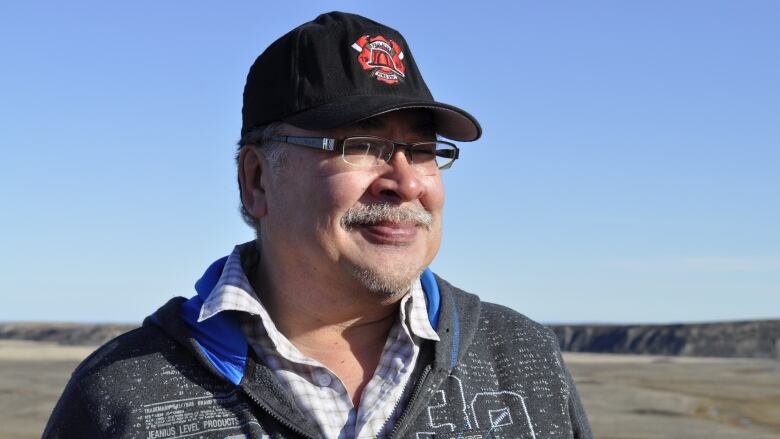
386	212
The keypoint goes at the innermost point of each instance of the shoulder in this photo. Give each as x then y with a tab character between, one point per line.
505	356
500	324
112	378
505	319
99	384
141	357
141	344
513	331
148	343
114	384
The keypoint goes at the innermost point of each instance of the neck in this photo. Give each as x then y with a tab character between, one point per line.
313	310
344	329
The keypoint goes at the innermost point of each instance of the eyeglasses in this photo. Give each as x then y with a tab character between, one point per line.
369	151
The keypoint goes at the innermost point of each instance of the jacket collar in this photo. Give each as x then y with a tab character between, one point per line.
219	342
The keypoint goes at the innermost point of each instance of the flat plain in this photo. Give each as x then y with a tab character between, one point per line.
626	396
649	397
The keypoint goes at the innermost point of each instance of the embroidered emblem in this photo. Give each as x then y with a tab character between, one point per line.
382	57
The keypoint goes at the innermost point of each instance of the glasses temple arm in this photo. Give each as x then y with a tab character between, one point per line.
311	142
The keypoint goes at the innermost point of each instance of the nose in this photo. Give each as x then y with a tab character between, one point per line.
398	181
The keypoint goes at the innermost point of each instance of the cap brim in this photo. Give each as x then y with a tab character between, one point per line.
451	122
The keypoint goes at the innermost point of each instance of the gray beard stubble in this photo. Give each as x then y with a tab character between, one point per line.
383	283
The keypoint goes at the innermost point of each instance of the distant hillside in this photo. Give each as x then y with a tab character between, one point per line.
756	339
63	333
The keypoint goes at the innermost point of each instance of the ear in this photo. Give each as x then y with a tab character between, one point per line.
252	178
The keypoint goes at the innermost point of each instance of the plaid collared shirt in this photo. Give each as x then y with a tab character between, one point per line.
318	392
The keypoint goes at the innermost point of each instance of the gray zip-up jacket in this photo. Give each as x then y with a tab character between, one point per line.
494	374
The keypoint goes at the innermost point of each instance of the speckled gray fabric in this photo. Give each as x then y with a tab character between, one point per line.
494	374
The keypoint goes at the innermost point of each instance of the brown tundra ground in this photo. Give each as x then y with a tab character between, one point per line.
626	396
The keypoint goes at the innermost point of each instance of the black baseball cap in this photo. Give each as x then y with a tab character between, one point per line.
337	70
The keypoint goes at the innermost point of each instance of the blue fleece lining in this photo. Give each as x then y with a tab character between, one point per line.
222	341
219	338
432	294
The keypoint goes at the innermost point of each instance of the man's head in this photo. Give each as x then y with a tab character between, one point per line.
366	211
340	69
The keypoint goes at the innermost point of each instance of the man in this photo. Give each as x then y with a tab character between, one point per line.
329	324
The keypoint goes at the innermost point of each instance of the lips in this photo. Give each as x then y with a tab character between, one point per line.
390	233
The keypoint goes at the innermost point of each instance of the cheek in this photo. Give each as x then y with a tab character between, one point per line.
345	189
433	200
336	194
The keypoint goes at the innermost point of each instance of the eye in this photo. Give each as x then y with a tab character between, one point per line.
357	148
433	155
423	152
366	145
366	151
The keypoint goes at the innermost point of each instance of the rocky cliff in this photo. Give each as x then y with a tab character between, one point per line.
757	339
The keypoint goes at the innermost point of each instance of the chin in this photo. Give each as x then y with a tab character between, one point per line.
387	283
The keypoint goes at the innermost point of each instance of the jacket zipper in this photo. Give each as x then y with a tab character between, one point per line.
410	403
278	419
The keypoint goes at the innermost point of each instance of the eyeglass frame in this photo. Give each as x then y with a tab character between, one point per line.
337	145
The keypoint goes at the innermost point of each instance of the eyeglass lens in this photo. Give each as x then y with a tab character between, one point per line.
426	157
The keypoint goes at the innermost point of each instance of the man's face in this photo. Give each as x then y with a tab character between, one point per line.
307	201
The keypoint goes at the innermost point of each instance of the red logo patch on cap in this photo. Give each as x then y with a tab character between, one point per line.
382	57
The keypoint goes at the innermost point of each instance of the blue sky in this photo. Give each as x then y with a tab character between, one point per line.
628	170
